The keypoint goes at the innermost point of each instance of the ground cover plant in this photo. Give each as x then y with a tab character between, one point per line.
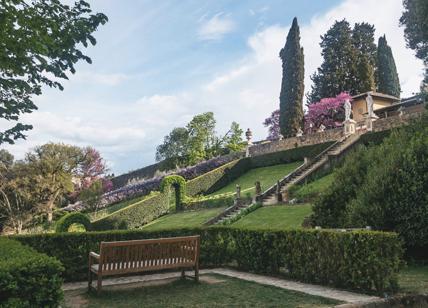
308	192
266	175
212	291
278	217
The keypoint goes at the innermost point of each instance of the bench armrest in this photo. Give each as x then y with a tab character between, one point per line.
94	255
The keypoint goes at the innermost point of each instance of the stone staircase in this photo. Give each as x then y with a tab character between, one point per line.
228	213
270	196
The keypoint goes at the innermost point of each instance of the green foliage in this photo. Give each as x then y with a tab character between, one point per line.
363	260
65	222
41	41
28	278
6	159
292	87
136	214
179	184
387	75
198	141
91	196
348	61
384	187
309	192
207	202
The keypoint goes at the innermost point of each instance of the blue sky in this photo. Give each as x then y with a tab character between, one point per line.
158	63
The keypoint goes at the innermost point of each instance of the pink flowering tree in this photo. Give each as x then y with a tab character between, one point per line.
328	112
273	125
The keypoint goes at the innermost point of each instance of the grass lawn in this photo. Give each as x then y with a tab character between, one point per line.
275	217
414	279
183	219
308	192
212	291
266	175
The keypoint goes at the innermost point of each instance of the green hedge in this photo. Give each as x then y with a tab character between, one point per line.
209	202
202	184
364	260
179	184
64	223
28	278
135	215
288	156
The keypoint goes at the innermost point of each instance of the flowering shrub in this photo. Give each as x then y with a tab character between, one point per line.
273	125
328	112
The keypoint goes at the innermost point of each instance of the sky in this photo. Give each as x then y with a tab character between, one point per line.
156	64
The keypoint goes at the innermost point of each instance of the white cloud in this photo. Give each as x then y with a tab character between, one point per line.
216	27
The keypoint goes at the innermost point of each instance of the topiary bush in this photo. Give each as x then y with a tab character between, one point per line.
28	278
64	223
179	183
365	260
385	187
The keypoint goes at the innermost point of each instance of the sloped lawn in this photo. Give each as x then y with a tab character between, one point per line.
212	291
266	175
275	217
183	219
310	191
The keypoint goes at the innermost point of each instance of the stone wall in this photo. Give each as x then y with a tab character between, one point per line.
294	142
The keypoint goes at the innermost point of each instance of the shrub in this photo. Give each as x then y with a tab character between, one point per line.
28	278
64	223
384	187
179	183
365	260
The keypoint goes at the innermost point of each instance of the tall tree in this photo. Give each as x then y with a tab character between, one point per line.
387	75
40	42
415	21
365	48
292	86
336	73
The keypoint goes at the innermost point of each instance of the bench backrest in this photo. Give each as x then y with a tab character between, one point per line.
152	254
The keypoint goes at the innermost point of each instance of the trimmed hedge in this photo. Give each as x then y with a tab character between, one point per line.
365	260
179	184
28	278
209	202
64	223
135	215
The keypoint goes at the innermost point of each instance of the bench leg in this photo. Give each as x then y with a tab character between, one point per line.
89	280
197	272
99	283
183	274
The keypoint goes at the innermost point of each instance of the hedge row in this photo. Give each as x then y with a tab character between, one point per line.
28	278
209	202
364	260
136	214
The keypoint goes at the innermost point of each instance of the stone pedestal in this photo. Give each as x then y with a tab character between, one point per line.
349	127
369	122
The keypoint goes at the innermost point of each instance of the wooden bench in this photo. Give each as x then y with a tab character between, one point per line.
126	257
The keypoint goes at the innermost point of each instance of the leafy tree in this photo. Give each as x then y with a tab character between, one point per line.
40	42
16	202
6	158
336	73
272	123
198	141
292	87
52	168
92	167
91	196
387	75
415	22
174	148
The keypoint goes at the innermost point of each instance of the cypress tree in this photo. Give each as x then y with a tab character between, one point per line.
387	75
338	70
292	87
365	48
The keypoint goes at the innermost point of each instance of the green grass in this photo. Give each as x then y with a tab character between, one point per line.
414	279
183	219
309	192
266	175
275	217
221	292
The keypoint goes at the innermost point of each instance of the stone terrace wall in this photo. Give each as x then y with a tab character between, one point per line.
395	121
294	142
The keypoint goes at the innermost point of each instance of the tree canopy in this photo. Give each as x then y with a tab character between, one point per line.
387	75
41	42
